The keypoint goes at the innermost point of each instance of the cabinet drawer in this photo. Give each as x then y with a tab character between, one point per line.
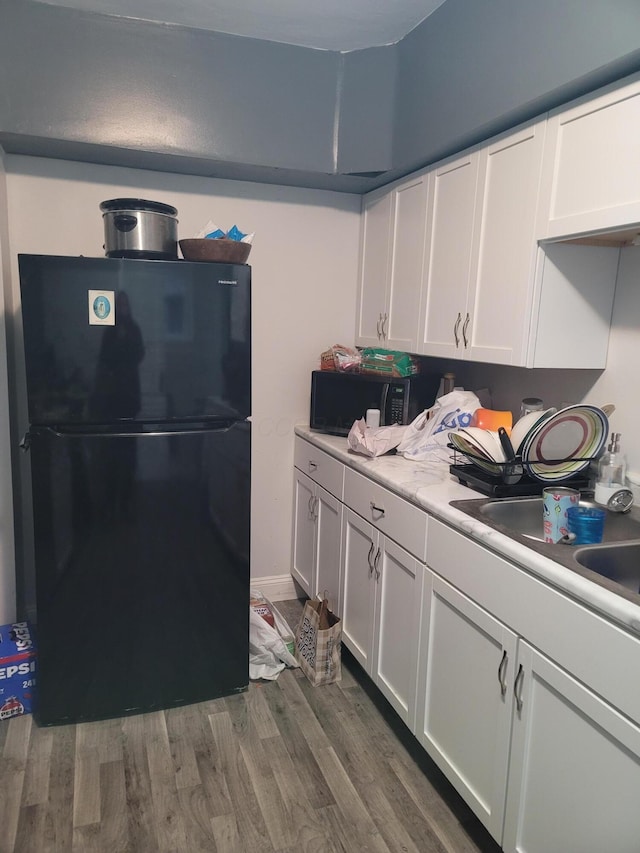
594	650
392	515
318	465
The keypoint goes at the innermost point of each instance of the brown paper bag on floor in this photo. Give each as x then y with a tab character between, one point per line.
318	643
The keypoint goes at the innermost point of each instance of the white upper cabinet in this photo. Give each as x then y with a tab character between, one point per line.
392	253
375	248
481	255
592	164
451	213
471	259
500	298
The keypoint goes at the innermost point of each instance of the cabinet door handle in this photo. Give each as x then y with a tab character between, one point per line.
379	333
375	508
375	564
313	504
369	559
501	671
456	326
384	331
313	466
517	688
316	501
464	330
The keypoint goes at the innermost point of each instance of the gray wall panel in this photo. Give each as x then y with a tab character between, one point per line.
85	86
367	99
102	80
477	67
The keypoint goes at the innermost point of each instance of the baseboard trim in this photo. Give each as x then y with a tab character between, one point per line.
277	587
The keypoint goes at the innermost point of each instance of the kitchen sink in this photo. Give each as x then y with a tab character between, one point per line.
614	563
620	562
524	516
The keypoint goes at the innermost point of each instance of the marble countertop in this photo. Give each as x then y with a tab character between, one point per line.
432	487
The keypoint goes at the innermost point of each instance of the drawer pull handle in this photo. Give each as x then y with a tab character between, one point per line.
369	559
375	508
501	671
313	466
517	688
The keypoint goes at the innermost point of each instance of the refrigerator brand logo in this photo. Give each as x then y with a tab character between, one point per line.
102	305
227	281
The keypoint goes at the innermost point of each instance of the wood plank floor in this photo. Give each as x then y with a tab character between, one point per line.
283	767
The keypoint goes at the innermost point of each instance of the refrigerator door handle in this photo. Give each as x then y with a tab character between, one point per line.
62	433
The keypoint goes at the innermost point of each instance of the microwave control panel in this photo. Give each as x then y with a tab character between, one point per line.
396	409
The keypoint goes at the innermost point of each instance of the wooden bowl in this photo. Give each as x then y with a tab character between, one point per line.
220	250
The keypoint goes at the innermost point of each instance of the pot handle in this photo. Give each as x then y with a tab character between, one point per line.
125	222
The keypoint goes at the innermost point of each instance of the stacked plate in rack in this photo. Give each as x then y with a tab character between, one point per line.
552	445
564	443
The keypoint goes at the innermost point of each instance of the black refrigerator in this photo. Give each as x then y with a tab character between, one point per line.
138	382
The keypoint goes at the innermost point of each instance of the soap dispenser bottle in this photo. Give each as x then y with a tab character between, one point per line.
612	471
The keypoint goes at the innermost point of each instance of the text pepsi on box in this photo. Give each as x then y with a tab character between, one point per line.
17	669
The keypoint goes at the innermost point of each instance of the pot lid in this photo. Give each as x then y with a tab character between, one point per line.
137	204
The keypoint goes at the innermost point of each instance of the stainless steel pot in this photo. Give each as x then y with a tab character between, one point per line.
137	228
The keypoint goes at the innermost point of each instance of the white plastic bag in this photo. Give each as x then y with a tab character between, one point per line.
268	653
374	441
427	436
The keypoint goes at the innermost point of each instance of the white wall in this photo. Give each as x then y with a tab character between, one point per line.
304	260
7	551
620	383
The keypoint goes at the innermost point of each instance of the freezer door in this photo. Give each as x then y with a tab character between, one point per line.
117	340
142	593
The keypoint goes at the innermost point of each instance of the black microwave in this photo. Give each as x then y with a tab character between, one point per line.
338	399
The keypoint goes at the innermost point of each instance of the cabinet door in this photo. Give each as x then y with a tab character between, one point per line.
304	528
591	159
400	320
451	210
359	545
464	707
374	269
574	775
328	513
498	312
398	580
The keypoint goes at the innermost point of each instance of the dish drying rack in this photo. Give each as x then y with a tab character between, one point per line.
475	477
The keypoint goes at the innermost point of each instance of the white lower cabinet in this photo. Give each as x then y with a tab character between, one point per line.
317	521
574	775
545	761
527	700
316	539
464	701
380	610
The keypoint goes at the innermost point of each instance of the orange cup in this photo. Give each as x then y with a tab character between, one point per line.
492	419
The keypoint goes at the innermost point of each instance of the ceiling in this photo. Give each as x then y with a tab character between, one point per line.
339	25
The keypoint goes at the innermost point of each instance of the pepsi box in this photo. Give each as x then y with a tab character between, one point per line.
17	669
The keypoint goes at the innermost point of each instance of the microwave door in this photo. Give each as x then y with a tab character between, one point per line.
383	404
